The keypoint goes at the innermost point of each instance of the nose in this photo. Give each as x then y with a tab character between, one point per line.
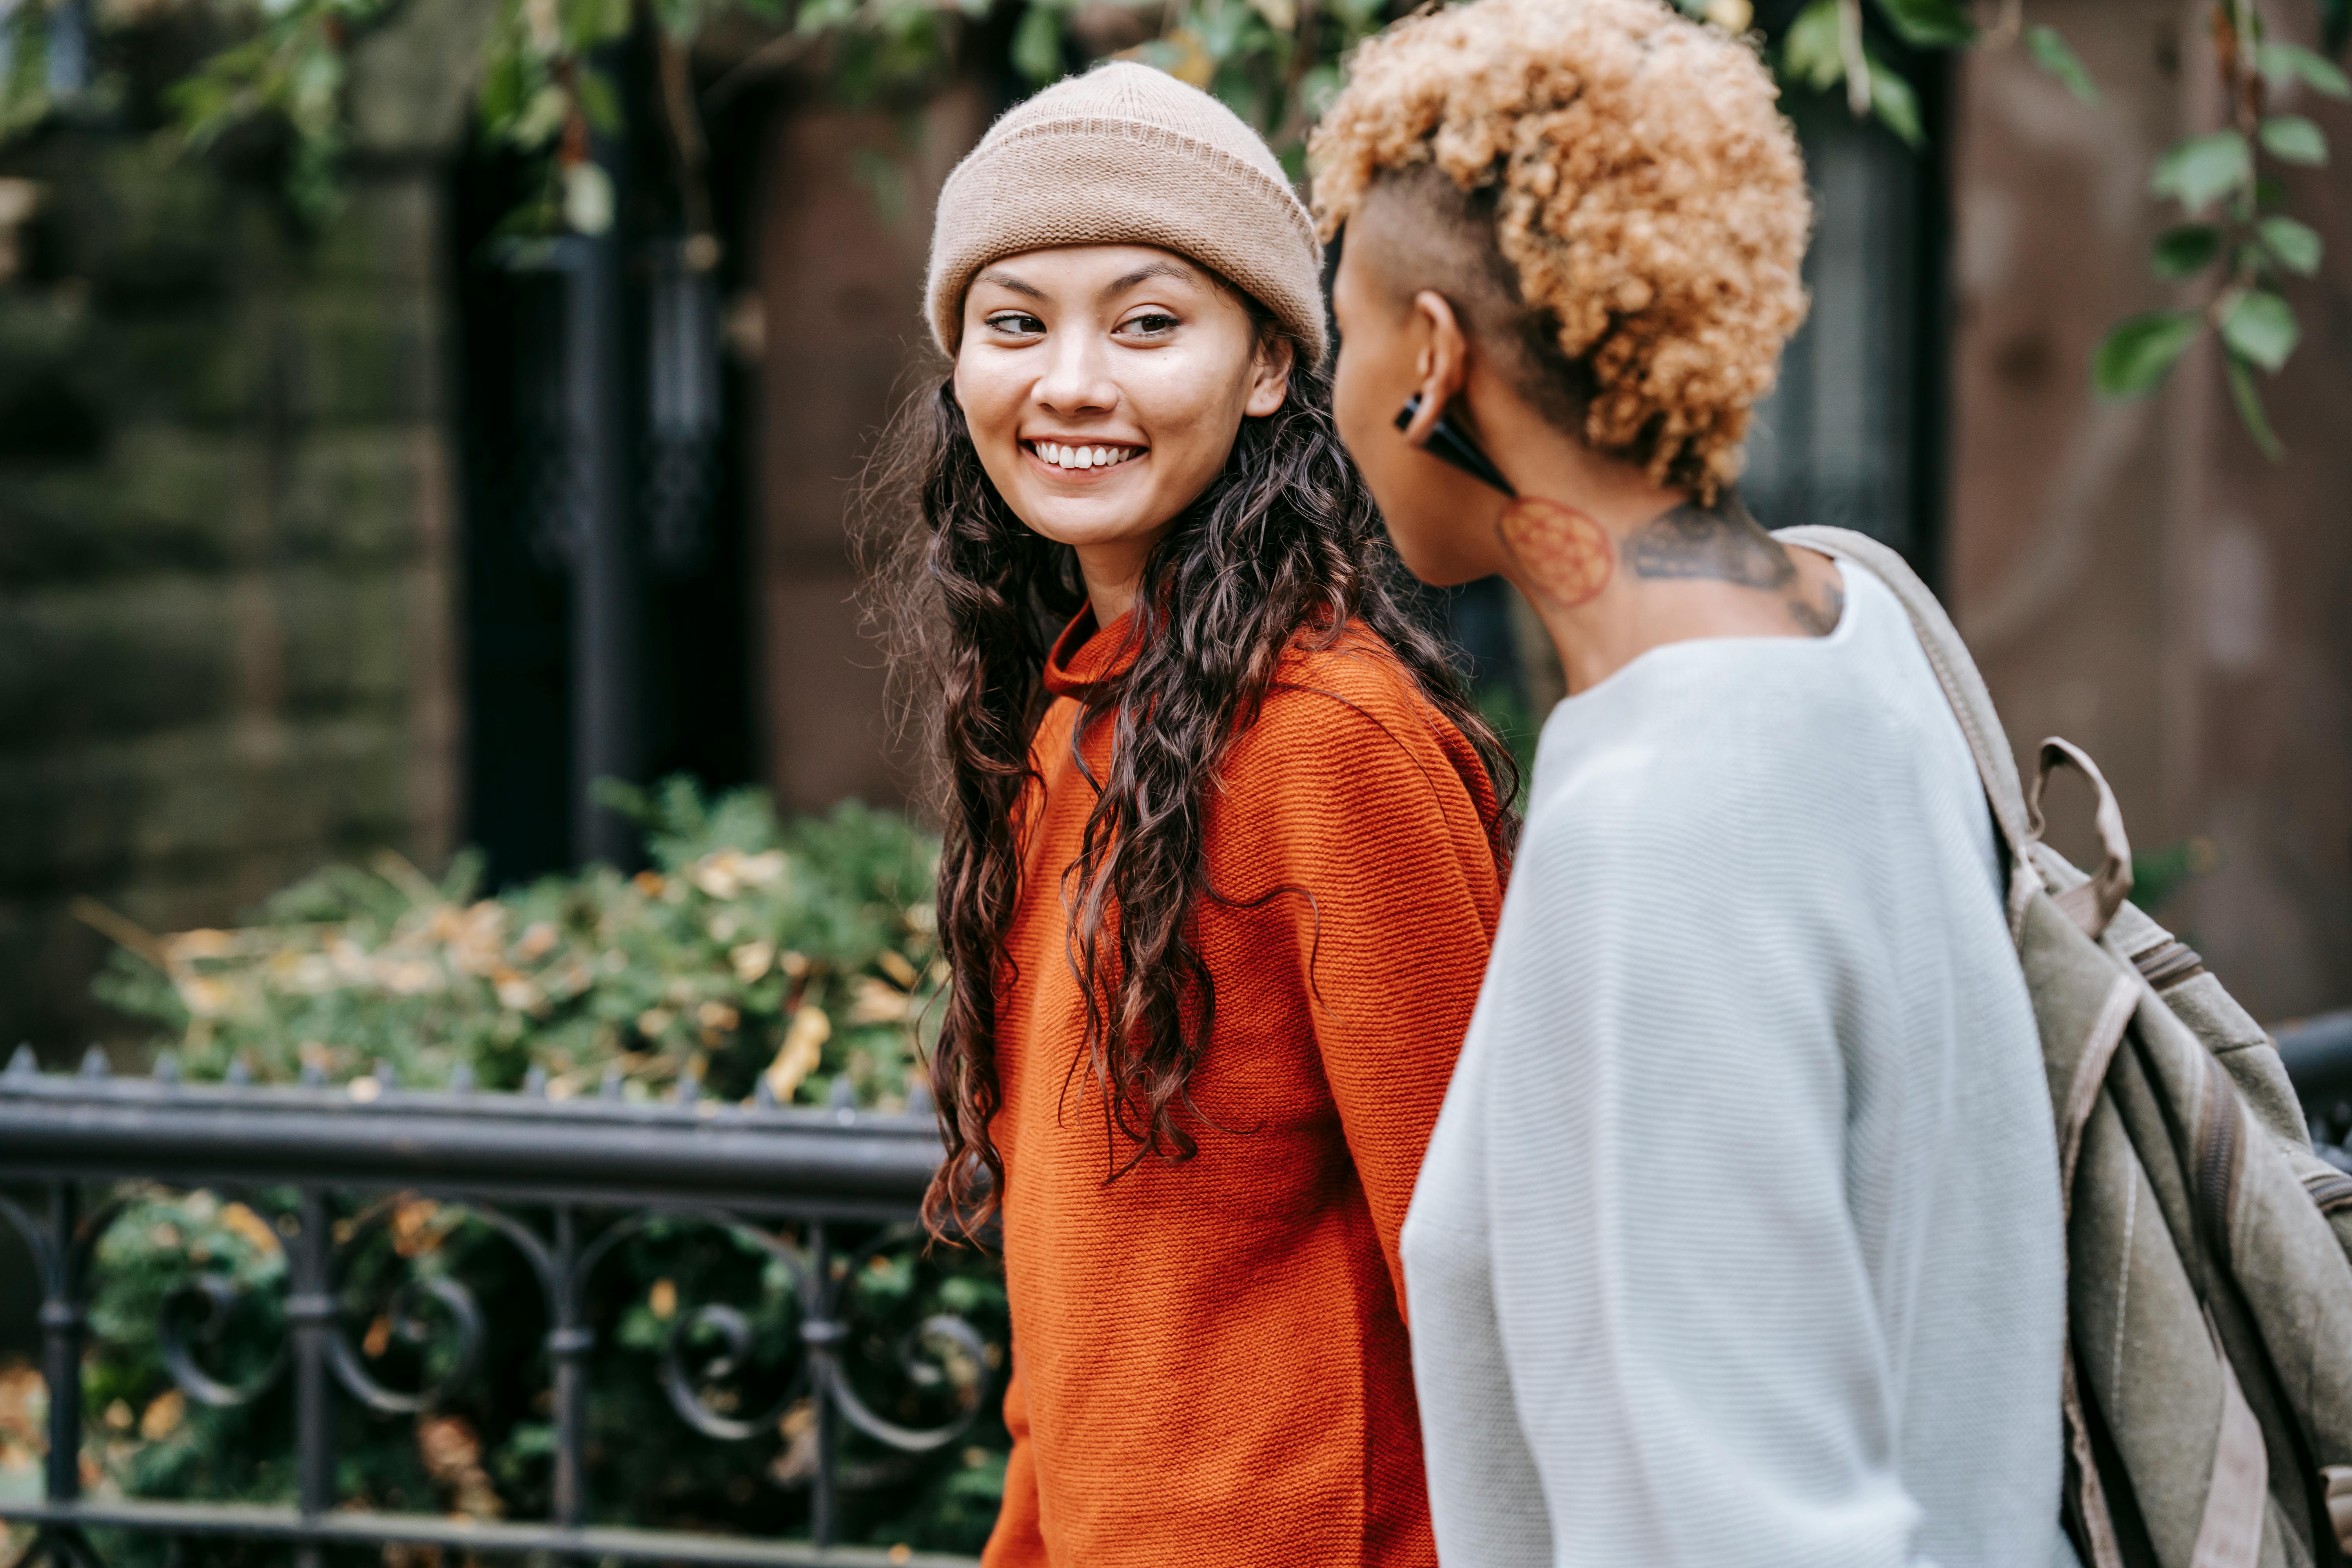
1076	377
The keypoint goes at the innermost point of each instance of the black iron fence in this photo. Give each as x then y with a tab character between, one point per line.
819	1195
822	1194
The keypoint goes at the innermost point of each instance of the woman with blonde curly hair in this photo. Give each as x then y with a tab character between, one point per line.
1739	1241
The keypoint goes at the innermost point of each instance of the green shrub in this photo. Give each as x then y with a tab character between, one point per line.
801	950
804	951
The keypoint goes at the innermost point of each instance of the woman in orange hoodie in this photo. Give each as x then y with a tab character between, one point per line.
1225	847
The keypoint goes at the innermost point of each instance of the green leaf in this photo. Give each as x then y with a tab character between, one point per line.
1892	99
2284	63
598	101
588	23
502	92
823	15
2141	351
2185	251
2050	52
2197	169
1037	45
2248	400
1930	23
2292	139
1809	53
2296	245
2261	327
542	118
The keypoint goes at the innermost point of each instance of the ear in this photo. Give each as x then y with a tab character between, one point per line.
1443	363
1270	375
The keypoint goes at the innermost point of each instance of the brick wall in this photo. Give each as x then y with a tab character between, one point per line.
227	644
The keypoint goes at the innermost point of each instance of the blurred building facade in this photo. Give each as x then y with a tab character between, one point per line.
2139	577
229	637
277	583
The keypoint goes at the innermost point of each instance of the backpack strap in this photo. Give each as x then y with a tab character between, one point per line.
1964	689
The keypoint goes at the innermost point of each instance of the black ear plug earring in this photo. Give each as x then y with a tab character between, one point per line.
1452	445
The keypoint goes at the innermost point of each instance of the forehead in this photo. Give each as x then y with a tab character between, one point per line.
1073	271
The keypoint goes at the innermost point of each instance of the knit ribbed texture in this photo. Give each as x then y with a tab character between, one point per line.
1211	1366
1739	1245
1129	155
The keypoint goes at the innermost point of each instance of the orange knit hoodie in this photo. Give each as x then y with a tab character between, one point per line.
1210	1358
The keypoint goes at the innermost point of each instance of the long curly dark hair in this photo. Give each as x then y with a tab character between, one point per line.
1285	544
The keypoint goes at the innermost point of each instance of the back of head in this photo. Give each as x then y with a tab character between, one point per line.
1618	183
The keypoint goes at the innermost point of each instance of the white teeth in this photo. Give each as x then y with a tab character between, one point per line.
1063	457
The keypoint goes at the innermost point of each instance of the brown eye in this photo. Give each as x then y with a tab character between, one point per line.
1152	324
1016	322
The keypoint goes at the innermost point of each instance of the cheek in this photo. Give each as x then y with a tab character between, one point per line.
1362	413
1190	412
987	401
1352	399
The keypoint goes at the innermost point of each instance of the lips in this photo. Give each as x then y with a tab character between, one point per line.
1070	457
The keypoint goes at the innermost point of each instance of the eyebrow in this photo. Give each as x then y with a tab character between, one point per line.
1007	280
1145	273
1119	285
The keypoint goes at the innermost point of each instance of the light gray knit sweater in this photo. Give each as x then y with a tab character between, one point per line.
1739	1241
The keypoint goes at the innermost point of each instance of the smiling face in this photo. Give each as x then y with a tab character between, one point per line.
1103	385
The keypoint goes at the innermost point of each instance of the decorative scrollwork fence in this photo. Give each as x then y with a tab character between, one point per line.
820	1194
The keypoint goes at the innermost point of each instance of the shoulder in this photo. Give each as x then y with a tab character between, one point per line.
1352	701
1346	724
1704	757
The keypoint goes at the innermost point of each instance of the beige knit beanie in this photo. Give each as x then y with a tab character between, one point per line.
1129	155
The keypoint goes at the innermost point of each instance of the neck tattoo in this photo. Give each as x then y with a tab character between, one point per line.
1724	544
1566	554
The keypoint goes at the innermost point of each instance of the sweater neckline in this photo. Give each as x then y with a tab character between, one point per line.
1085	656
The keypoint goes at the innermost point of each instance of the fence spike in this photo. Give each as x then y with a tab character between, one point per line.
610	1087
461	1079
689	1087
24	1064
386	1074
764	1098
313	1076
919	1098
167	1068
95	1065
534	1083
842	1095
238	1074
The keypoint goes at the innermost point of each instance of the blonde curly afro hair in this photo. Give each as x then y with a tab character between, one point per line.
1647	198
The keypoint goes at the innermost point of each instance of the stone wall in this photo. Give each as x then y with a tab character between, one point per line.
227	644
2137	577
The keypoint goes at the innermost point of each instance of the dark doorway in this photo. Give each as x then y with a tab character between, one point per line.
660	657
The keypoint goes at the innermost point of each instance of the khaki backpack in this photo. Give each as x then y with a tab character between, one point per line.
2208	1389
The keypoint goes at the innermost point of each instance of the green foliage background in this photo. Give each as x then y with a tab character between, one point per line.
742	929
547	89
711	965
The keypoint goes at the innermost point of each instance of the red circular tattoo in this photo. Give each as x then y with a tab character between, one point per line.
1567	555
